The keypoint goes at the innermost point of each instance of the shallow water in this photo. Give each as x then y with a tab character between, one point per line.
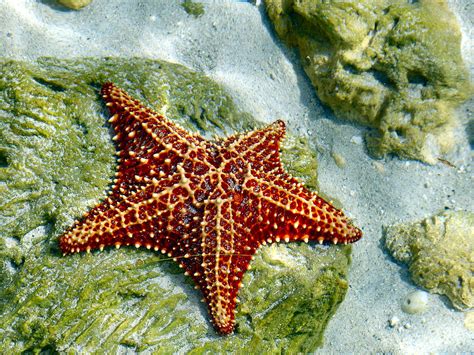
234	44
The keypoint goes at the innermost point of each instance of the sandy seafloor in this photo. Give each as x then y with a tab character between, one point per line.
234	44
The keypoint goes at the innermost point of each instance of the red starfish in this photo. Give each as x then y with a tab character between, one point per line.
208	205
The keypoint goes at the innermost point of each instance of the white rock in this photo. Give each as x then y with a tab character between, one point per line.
356	140
415	302
394	321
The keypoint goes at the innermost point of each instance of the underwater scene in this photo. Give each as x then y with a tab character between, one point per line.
248	177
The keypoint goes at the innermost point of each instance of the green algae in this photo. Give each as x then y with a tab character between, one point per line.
300	158
439	252
395	66
57	160
75	4
193	8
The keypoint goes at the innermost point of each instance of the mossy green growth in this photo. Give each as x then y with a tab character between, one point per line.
193	8
57	160
75	4
439	252
301	159
392	65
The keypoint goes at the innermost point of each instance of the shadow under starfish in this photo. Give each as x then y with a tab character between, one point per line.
209	205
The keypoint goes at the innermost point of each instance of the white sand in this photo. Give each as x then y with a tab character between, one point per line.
234	44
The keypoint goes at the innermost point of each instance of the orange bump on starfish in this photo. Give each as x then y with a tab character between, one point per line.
207	204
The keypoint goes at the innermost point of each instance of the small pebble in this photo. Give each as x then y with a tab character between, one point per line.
339	160
379	167
415	302
356	139
394	321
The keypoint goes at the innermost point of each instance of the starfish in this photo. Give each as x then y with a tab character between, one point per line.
209	205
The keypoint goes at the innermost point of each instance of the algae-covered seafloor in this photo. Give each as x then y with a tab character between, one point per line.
395	66
439	252
56	161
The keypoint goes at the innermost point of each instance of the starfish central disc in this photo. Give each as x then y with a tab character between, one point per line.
207	204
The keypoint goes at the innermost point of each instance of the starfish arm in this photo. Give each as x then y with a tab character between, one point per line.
259	148
149	145
160	216
283	209
133	114
224	259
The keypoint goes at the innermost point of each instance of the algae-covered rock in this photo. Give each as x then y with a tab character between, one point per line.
392	65
57	160
439	252
75	4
